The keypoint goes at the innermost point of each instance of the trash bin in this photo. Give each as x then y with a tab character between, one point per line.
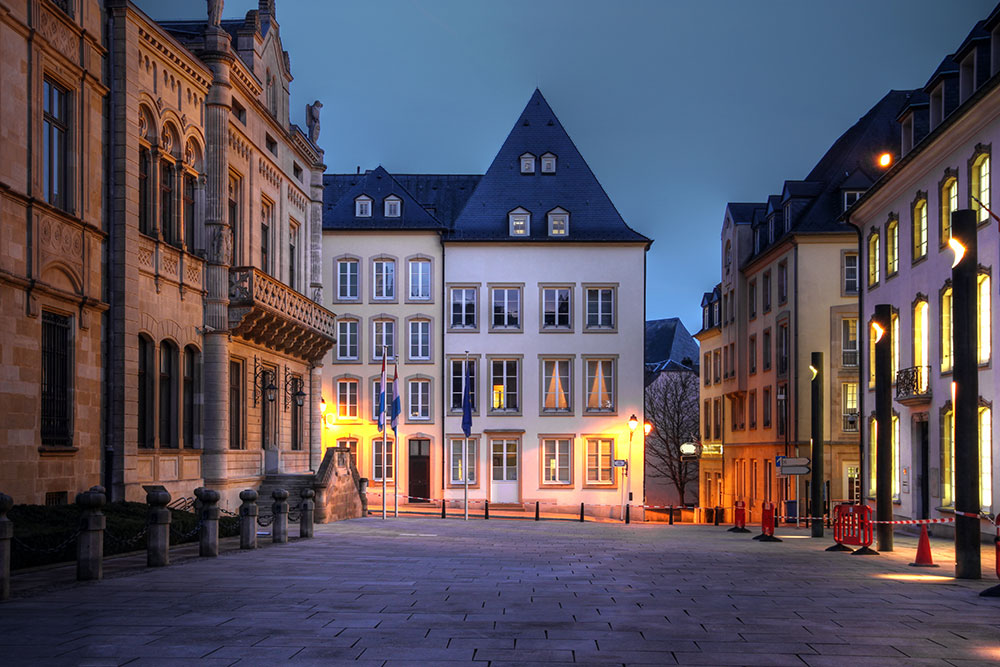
708	514
791	511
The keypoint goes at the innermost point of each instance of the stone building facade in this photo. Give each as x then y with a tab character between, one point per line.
214	243
53	200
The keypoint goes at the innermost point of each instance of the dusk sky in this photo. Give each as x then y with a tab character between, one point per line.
678	106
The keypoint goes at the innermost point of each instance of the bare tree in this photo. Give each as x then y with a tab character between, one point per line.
672	408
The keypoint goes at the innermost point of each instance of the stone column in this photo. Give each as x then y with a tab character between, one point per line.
209	516
306	515
6	533
218	252
316	233
248	519
279	528
315	419
158	528
90	543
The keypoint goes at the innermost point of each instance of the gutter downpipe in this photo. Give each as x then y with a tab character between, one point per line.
861	365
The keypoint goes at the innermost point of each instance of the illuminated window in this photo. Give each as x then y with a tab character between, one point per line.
601	385
459	468
871	355
347	399
849	341
504	380
873	464
892	248
895	347
921	344
949	204
347	339
363	207
558	222
548	163
519	222
946	330
985	459
920	229
983	319
527	163
556	461
556	389
948	458
873	259
872	455
599	453
980	186
849	405
384	284
378	460
392	205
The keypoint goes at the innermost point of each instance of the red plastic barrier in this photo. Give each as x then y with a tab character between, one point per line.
853	525
740	514
767	519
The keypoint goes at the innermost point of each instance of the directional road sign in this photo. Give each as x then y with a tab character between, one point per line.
793	470
783	461
619	463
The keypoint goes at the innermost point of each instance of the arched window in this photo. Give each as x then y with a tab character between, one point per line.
920	229
946	330
921	344
980	183
892	248
168	394
145	393
192	397
145	215
873	259
949	204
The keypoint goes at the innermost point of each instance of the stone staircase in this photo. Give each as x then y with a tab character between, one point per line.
289	482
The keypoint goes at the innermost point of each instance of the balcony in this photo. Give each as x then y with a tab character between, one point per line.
913	386
849	358
850	424
267	312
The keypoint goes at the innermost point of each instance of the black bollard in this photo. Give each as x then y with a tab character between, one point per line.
537	510
486	511
444	511
581	512
716	517
628	518
671	508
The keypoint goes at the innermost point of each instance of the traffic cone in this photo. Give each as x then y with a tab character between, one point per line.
923	550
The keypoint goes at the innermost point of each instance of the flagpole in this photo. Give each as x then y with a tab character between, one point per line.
395	440
384	425
465	444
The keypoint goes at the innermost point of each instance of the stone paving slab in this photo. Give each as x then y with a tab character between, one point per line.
424	591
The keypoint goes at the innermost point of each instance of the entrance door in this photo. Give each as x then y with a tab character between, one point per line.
504	483
852	482
420	470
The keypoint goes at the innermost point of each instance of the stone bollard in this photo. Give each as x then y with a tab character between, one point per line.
208	537
248	519
90	542
363	492
158	528
279	529
306	515
6	533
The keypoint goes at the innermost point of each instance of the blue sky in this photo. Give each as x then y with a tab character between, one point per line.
679	106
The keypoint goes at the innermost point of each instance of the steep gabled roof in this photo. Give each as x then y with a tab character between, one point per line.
442	195
743	212
592	216
378	184
668	340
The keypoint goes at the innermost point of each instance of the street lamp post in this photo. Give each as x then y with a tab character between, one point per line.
965	406
883	425
633	423
817	444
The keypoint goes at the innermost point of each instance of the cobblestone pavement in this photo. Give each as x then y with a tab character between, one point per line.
426	591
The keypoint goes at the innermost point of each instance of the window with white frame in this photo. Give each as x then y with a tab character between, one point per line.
519	222
463	308
463	460
363	207
379	460
347	279
850	273
558	222
981	186
457	392
601	385
420	279
556	389
548	163
849	341
384	283
506	307
527	163
351	445
600	308
556	308
920	229
418	399
599	458
873	258
892	248
392	206
347	339
383	336
851	196
557	461
420	340
947	330
849	405
347	399
377	397
505	381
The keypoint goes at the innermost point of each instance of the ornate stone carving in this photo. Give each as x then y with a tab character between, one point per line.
143	124
269	173
192	272
312	120
222	245
58	35
215	13
145	253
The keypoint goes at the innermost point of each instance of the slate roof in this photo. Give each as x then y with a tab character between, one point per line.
669	340
573	187
377	184
443	195
743	212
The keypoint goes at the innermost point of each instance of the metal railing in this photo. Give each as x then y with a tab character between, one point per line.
913	382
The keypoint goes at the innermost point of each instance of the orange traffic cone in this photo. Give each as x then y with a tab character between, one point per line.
923	550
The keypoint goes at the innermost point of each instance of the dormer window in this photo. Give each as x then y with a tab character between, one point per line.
548	163
520	221
558	220
788	216
363	207
527	163
851	196
392	206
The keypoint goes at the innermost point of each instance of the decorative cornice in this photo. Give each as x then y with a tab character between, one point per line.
166	52
269	173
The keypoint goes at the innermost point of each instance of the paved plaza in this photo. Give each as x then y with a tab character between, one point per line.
427	591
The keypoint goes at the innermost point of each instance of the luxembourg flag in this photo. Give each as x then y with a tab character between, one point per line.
396	405
381	396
